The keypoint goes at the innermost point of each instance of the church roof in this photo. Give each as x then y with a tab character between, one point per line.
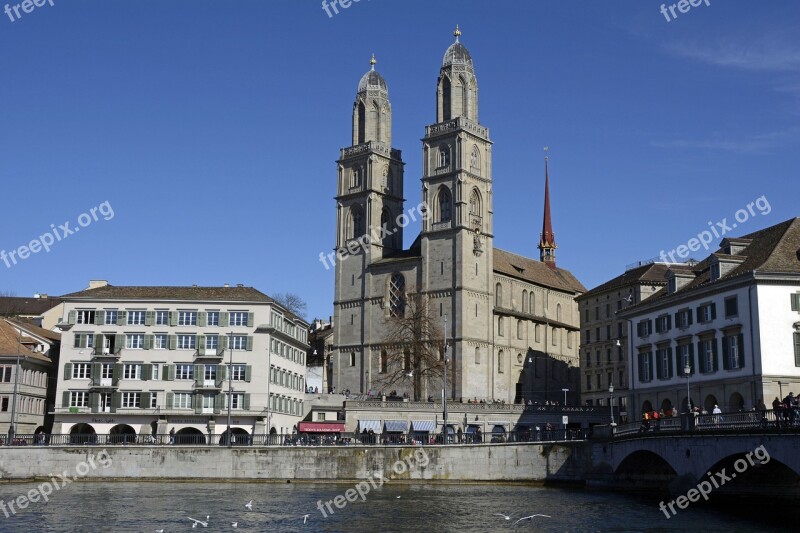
535	272
456	53
372	79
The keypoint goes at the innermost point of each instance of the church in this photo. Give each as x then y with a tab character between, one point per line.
512	323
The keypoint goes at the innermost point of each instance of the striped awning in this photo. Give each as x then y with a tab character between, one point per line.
423	426
395	426
366	425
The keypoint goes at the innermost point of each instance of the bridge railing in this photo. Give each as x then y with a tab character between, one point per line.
770	420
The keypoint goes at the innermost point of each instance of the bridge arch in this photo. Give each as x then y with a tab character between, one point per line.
643	468
752	472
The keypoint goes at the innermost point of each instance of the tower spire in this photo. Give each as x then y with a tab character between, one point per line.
547	241
372	62
457	33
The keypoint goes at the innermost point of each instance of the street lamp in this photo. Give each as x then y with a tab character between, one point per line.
687	371
565	391
611	402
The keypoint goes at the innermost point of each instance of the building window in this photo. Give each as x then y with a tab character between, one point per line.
608	332
237	342
187	342
134	341
162	318
238	372
608	355
597	357
5	374
444	156
160	341
352	358
136	318
588	382
237	318
644	328
477	355
683	318
733	352
731	307
85	316
187	318
797	349
397	296
532	303
589	359
663	323
664	358
500	361
384	363
210	373
498	295
588	336
445	205
132	371
621	382
79	399
212	318
182	400
707	352
81	371
537	333
500	327
131	400
111	316
184	372
706	312
212	342
645	367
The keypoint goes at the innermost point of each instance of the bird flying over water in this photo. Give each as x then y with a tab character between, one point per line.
531	517
196	521
234	525
305	518
507	517
249	505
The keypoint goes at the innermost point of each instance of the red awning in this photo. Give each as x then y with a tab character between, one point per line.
321	427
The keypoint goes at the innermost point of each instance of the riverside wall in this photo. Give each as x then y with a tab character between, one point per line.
557	462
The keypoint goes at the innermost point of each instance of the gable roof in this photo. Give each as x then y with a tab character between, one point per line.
649	274
32	328
30	306
536	272
10	344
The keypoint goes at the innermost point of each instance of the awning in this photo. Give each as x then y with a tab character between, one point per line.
321	427
423	426
366	425
395	426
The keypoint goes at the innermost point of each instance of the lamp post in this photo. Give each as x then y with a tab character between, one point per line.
611	402
687	371
565	391
230	385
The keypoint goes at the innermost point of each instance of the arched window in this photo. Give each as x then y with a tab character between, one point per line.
387	235
362	120
352	359
356	223
520	329
475	158
532	303
477	355
500	361
444	156
397	295
500	327
558	312
498	295
375	120
475	203
384	362
446	90
387	178
537	333
464	97
524	301
445	205
406	359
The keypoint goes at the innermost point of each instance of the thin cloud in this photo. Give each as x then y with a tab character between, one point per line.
757	144
770	56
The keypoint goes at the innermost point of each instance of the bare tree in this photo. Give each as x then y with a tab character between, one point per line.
7	293
292	302
413	348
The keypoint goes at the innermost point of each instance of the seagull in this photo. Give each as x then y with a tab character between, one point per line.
249	505
531	517
507	517
305	517
196	521
159	531
398	497
234	525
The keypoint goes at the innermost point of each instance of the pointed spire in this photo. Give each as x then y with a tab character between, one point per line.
547	242
457	33
372	62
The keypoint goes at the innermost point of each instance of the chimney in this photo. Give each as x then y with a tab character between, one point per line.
97	283
226	285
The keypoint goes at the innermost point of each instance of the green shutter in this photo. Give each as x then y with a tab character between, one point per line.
173	318
76	343
795	299
250	317
144	399
119	342
201	319
116	401
65	399
248	373
147	372
219	403
198	375
96	370
223	319
249	343
220	376
201	345
172	342
99	341
68	371
149	318
198	403
148	341
100	318
169	372
797	349
94	402
121	318
72	317
741	350
116	373
170	400
246	402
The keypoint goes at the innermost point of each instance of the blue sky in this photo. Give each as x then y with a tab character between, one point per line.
212	128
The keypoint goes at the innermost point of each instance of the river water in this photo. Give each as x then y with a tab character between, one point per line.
147	507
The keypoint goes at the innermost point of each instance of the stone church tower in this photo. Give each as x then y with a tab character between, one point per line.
512	322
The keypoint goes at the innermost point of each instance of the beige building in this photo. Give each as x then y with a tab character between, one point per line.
144	360
512	321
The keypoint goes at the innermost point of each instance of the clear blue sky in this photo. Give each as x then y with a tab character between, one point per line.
212	129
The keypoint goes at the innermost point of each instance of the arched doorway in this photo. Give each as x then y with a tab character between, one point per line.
647	407
710	402
121	434
190	436
240	437
82	434
666	406
736	402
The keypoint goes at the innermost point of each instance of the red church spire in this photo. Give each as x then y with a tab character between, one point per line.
547	241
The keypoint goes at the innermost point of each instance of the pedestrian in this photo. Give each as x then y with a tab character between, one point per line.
172	436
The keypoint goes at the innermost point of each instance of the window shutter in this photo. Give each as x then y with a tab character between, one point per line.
121	318
68	371
691	358
116	401
149	318
222	371
172	341
99	342
97	370
119	342
726	353
249	343
201	319
148	342
147	373
714	354
198	375
741	350
638	330
170	400
116	373
248	373
669	322
650	360
713	311
669	362
201	345
246	402
169	372
795	299
94	402
72	317
250	317
797	349
173	318
699	314
65	399
677	319
100	318
198	403
219	402
701	356
223	319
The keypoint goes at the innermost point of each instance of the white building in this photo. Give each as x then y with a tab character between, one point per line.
147	360
734	318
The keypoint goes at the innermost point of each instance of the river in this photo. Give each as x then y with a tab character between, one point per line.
465	508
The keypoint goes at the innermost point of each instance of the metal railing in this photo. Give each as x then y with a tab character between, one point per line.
304	439
766	421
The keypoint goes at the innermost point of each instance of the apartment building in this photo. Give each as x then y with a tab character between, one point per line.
147	360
